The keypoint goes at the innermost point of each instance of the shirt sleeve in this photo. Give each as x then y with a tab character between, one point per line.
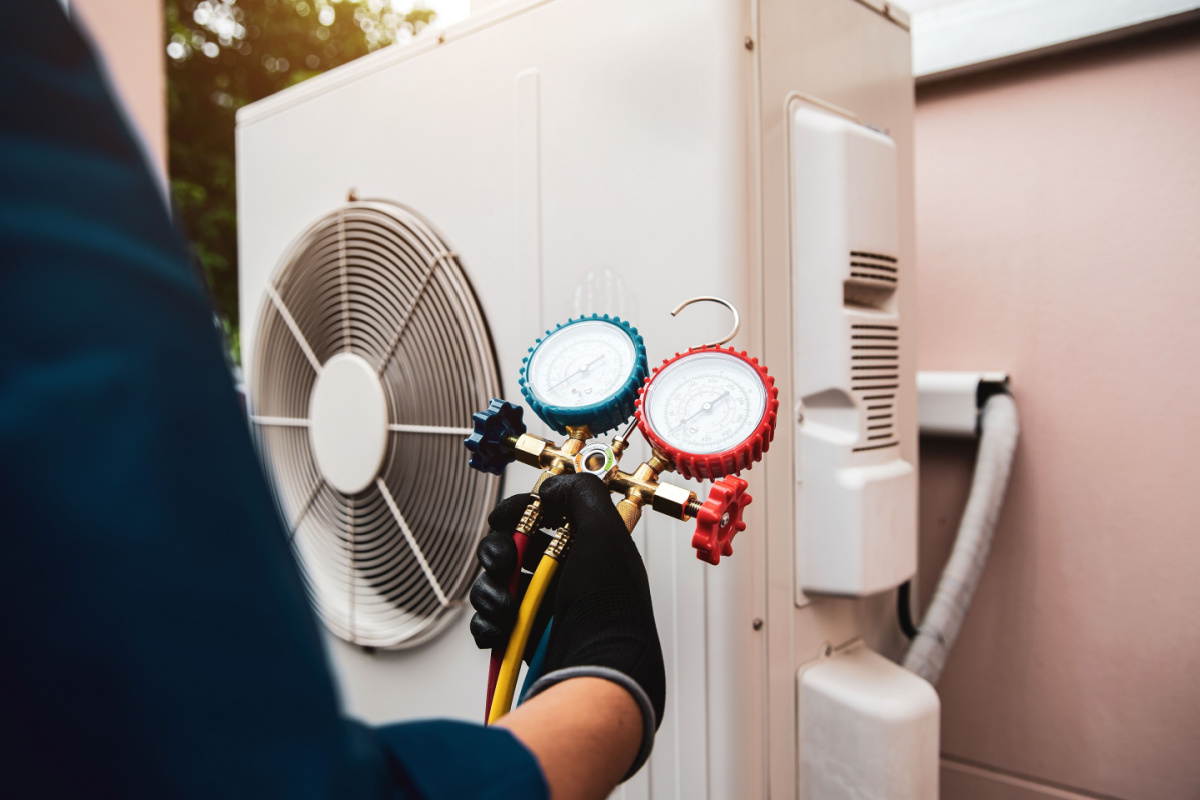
451	759
158	638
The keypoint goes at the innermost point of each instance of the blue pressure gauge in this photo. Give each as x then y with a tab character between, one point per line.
587	371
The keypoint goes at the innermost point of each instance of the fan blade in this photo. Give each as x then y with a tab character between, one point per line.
431	429
304	509
412	542
391	349
343	281
293	327
286	422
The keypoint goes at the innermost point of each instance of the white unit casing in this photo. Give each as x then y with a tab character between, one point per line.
579	156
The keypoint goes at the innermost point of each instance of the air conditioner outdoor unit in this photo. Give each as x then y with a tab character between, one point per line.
411	222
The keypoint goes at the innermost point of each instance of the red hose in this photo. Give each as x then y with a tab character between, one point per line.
521	541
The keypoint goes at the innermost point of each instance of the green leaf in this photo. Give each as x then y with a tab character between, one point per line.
273	46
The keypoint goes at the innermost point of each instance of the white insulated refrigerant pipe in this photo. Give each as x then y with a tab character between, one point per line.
939	628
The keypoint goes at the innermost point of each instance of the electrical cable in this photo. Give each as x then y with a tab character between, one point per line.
510	668
993	465
522	542
904	610
536	664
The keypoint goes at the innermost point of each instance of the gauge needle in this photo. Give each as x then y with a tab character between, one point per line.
705	407
576	372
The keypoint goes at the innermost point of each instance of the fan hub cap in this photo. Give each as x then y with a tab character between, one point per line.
348	424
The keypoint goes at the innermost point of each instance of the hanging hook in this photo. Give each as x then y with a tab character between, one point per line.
737	320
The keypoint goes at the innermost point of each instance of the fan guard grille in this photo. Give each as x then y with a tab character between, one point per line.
389	565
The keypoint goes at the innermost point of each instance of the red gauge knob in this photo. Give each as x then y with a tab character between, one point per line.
720	519
711	411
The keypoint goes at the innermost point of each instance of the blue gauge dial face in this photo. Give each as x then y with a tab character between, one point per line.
581	365
705	403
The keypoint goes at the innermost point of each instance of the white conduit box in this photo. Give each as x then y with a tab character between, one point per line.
950	401
856	497
868	729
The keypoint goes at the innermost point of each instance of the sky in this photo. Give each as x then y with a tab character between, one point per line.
449	11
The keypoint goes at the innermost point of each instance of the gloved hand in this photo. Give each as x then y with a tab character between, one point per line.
603	618
495	606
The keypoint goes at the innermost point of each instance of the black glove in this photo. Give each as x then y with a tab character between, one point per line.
603	618
496	607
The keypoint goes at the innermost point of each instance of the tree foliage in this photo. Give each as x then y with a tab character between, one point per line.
223	54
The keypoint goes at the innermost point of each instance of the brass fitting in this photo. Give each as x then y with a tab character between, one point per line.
537	486
529	449
539	452
580	433
660	463
576	440
531	517
560	543
674	501
631	512
643	487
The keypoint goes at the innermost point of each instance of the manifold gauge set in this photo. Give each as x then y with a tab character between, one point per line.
708	414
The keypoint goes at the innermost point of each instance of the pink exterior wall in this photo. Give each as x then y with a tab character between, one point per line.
1058	232
129	36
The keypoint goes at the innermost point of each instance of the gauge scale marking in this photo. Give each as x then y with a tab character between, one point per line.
585	372
581	364
706	403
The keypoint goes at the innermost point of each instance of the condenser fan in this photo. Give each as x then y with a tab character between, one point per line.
370	356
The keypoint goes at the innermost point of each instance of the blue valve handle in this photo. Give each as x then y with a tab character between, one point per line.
608	414
500	420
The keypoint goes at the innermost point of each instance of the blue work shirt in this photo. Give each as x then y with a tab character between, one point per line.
157	637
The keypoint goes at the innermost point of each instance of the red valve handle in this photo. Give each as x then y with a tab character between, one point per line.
715	465
720	519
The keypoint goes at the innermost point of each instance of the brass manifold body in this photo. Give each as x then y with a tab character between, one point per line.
639	489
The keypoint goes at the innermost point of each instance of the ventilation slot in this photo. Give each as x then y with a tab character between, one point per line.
872	283
875	381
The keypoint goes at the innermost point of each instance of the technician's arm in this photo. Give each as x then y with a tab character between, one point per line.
158	639
585	733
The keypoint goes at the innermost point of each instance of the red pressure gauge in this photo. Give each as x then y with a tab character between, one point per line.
711	410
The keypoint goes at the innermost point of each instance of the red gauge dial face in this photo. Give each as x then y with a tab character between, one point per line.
712	410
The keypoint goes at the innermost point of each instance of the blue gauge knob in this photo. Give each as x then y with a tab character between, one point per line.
587	371
499	421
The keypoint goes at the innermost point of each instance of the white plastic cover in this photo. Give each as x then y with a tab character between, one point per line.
868	730
856	497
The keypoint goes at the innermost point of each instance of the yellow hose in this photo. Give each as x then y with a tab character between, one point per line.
510	668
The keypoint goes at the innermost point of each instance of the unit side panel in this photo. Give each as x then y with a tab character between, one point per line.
844	53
